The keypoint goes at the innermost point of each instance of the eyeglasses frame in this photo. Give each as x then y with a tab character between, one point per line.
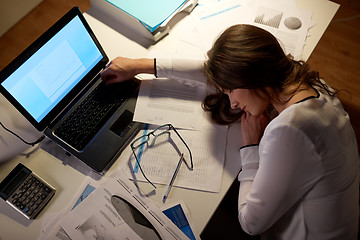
170	127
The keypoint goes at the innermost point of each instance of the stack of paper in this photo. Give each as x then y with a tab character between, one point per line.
103	212
150	13
288	23
168	101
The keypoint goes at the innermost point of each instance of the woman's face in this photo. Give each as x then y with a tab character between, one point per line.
247	100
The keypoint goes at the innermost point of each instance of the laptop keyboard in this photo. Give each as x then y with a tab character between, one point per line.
79	128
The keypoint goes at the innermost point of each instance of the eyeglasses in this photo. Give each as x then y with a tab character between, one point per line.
141	141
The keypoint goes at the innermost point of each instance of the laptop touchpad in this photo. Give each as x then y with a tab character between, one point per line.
123	124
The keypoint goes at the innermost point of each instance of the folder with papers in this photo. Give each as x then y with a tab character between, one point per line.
150	13
148	18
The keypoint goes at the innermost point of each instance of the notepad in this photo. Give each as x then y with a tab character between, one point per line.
150	13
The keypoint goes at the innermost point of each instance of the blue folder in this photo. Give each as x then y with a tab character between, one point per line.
151	13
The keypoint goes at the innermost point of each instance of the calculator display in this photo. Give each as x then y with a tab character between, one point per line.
13	180
14	183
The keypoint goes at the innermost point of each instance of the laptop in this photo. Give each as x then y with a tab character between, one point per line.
55	84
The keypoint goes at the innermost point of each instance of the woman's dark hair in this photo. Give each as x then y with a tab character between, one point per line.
248	57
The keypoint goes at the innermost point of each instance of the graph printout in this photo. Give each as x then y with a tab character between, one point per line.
98	218
269	17
287	23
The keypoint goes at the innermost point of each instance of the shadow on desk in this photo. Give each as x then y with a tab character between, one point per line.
6	210
55	150
224	223
115	24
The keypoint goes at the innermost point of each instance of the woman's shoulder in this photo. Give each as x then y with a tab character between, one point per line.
313	116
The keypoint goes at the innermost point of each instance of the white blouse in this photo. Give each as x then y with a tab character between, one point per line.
302	181
187	71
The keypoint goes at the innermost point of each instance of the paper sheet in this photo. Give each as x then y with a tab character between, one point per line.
97	218
282	18
51	229
253	4
168	101
210	18
176	212
179	214
159	160
286	22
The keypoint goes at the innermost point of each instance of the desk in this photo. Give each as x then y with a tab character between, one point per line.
67	180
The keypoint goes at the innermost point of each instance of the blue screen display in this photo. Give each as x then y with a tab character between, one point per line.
50	73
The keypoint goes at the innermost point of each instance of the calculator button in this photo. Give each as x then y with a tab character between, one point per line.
35	206
46	189
26	209
27	193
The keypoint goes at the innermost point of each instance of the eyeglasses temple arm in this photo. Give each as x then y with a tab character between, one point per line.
191	161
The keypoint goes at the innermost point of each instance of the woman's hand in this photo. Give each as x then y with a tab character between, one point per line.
121	69
252	128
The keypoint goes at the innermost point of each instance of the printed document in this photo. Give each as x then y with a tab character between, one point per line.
179	214
159	158
112	212
287	23
209	19
168	101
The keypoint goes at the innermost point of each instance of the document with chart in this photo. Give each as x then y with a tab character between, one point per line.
116	210
286	21
289	24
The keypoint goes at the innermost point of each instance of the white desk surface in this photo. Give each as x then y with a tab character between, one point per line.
68	180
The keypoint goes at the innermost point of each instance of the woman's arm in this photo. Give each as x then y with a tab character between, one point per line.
275	176
121	69
187	71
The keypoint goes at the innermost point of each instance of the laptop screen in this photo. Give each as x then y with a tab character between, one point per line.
44	79
50	73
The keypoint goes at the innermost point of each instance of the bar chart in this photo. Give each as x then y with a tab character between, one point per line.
268	17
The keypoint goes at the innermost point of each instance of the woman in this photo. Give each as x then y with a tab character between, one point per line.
299	177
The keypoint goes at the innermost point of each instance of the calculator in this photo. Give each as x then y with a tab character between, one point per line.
25	191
